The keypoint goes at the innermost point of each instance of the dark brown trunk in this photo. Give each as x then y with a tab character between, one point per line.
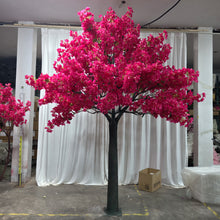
112	195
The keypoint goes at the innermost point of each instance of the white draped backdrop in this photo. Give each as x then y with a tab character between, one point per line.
78	152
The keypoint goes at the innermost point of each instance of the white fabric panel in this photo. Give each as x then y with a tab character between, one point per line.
78	152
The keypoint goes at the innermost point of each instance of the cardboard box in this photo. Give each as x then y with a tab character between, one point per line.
149	180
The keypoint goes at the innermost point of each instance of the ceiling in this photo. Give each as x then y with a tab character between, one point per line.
186	14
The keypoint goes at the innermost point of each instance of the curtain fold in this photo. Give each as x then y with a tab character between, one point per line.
78	152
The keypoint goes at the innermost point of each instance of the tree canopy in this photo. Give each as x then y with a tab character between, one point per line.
12	111
110	69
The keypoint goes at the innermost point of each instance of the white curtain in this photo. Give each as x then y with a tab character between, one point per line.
78	152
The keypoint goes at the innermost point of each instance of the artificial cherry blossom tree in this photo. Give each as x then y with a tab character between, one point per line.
108	69
12	113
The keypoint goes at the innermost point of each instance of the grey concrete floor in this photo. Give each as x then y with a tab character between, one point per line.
65	202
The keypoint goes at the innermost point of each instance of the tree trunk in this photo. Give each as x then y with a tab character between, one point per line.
7	161
112	196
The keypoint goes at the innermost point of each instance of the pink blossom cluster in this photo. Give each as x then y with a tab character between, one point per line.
109	67
11	111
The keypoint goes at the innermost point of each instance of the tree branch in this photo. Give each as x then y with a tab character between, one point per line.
121	113
93	110
136	113
108	117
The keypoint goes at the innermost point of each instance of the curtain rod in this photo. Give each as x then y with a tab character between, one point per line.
15	25
187	30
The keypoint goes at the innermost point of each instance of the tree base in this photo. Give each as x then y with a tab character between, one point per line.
113	213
